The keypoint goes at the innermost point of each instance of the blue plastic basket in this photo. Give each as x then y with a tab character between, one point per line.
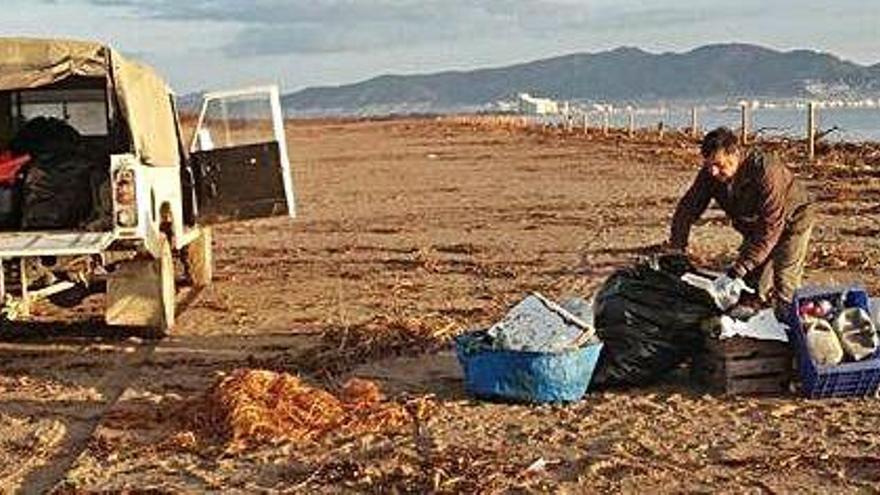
528	376
855	379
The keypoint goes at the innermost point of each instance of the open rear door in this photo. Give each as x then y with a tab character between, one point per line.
239	157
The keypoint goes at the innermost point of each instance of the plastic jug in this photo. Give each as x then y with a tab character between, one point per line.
857	333
822	342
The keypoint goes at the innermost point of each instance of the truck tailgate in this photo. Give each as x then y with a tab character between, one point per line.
15	244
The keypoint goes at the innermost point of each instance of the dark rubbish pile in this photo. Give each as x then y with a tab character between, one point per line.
649	320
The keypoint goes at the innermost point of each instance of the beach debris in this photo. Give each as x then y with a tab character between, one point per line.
537	324
252	406
343	348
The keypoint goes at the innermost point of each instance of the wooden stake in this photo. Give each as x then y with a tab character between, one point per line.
632	122
744	137
811	131
695	124
606	122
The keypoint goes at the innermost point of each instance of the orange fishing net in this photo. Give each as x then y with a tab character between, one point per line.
260	406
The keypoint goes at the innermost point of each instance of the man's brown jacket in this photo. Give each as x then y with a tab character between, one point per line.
759	199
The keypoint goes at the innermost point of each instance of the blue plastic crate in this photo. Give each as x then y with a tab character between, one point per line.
848	379
528	376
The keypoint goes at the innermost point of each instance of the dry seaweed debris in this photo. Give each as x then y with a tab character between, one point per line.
841	257
453	470
250	407
343	348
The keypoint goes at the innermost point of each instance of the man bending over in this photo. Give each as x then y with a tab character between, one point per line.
766	204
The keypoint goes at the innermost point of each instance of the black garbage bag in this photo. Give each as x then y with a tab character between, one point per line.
57	194
10	206
649	320
57	189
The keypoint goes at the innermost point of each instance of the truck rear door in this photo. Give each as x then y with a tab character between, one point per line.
239	157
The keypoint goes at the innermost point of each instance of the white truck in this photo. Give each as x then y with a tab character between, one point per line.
150	198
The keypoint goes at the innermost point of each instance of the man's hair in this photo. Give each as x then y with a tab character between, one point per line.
717	140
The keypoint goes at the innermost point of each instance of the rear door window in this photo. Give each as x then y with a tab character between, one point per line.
84	109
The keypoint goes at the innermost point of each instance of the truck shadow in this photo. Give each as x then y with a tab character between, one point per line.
57	332
84	329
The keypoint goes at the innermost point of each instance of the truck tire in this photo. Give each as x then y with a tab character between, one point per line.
141	293
200	259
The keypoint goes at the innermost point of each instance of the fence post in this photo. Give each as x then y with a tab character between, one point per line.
632	122
586	123
661	126
695	124
606	122
811	131
744	137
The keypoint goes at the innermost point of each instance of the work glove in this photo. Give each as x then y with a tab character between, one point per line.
726	291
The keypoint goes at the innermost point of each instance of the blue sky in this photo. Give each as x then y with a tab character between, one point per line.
212	44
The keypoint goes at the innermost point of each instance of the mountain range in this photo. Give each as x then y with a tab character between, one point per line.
713	72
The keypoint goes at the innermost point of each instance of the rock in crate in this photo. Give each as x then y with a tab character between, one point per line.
744	366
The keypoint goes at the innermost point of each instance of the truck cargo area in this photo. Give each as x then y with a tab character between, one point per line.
55	146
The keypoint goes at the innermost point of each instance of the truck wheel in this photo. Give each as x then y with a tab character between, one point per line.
141	293
200	259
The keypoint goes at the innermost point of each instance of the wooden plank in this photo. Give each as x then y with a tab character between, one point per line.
51	290
747	367
739	344
777	355
744	343
746	371
745	348
744	366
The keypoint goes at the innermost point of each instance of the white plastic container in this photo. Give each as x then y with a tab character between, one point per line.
822	342
857	333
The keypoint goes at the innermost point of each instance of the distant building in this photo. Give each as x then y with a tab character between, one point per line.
531	105
507	106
